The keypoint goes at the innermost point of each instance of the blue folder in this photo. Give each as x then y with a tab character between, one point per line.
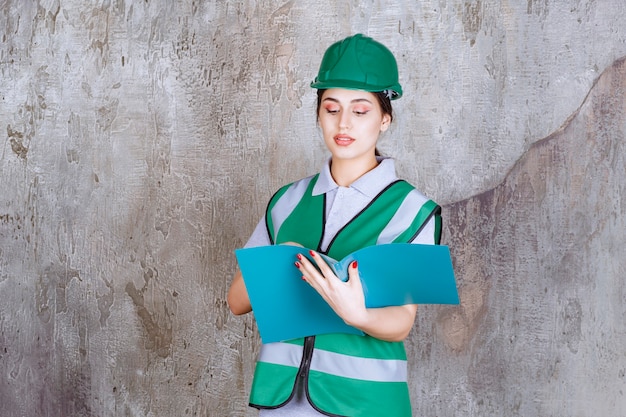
286	307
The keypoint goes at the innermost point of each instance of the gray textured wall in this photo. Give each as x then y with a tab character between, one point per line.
142	142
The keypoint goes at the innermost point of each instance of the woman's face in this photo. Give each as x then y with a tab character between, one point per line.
351	121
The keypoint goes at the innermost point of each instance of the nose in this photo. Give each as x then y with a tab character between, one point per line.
344	121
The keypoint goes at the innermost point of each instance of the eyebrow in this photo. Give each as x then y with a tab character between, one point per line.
356	100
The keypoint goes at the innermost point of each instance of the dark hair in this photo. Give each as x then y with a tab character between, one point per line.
383	100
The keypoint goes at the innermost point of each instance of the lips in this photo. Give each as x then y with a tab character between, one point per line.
343	140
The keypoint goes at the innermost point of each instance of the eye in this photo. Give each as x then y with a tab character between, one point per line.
360	111
331	109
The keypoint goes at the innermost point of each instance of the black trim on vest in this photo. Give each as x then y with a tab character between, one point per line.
436	211
267	213
319	244
355	217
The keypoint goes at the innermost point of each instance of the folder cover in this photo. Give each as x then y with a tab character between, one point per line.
286	307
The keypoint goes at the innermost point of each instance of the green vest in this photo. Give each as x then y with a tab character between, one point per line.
343	375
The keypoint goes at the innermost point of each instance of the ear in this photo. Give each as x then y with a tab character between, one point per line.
384	125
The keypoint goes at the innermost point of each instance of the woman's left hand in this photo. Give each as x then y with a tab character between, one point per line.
345	298
391	323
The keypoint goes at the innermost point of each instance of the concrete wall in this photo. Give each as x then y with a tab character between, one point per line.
144	138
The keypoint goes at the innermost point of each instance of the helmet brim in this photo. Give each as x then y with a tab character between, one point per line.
395	90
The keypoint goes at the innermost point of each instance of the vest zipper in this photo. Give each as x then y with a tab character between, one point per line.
305	366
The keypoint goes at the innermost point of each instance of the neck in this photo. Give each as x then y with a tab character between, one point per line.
345	172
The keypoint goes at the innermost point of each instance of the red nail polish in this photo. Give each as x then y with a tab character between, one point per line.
312	253
299	256
303	278
354	264
297	265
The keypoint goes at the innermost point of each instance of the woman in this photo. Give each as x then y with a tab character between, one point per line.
354	202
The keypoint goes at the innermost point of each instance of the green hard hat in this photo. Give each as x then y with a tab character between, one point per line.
359	63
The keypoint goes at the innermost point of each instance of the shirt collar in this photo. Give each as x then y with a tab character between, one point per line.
370	184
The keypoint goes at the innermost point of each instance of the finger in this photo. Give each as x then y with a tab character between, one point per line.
353	275
326	270
309	272
305	264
